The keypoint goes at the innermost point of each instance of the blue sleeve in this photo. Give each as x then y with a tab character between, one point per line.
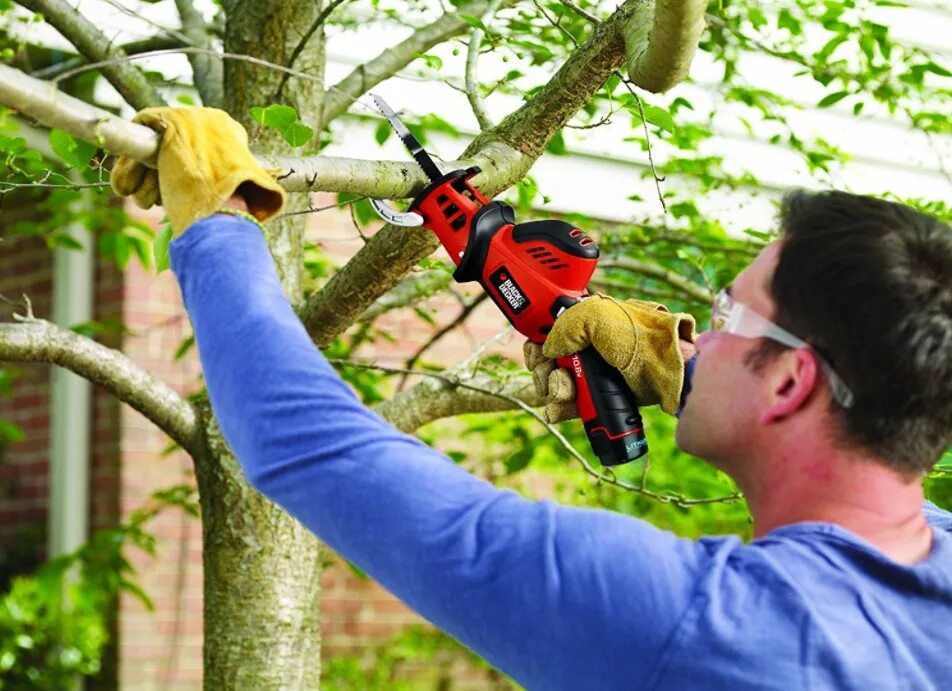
556	597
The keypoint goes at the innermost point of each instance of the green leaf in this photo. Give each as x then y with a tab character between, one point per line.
937	69
432	61
74	152
475	22
557	145
160	249
786	20
276	115
9	432
830	99
297	134
285	120
184	347
659	116
383	131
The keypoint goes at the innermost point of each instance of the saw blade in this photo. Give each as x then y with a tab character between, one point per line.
416	149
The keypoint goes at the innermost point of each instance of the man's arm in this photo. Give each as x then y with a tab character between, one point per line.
554	596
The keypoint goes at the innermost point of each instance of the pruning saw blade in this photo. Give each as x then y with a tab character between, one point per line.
413	146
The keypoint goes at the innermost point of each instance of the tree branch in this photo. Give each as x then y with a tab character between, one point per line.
606	475
442	331
505	153
37	340
207	70
455	394
472	57
409	290
131	83
382	179
662	274
145	45
317	23
530	128
366	76
43	102
393	251
660	48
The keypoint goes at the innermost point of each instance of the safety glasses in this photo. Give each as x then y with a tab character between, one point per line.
730	316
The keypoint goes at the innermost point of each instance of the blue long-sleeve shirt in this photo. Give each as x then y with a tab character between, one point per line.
556	597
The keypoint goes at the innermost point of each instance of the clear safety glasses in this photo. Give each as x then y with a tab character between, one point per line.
730	316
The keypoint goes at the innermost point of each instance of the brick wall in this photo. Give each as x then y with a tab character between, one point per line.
24	466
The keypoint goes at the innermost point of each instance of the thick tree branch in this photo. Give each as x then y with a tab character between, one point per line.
366	76
131	83
660	49
207	70
530	128
384	179
43	102
36	340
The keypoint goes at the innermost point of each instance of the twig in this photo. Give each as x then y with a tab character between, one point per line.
660	273
186	49
460	318
644	123
472	57
299	48
318	209
582	13
608	477
353	219
624	81
131	48
48	186
155	25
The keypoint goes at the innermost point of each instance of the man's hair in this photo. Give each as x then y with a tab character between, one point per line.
868	283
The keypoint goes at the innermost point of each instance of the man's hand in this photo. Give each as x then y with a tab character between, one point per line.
203	162
644	341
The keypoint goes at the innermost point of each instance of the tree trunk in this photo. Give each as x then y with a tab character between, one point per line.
262	583
262	568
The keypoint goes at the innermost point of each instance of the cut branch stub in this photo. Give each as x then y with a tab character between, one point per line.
660	41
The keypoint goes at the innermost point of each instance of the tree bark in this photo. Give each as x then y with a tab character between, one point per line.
262	568
262	582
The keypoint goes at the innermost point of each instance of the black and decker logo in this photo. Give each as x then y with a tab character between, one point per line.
506	286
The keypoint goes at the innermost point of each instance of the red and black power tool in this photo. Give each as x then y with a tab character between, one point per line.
533	272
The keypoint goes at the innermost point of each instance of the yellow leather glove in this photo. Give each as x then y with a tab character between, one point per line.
640	339
203	160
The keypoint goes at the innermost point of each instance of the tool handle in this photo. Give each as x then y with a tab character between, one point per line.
607	407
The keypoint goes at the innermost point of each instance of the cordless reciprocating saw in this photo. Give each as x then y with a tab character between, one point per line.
533	272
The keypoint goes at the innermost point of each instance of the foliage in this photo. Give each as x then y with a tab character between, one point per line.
54	624
418	658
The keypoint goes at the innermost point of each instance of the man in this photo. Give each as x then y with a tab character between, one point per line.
849	582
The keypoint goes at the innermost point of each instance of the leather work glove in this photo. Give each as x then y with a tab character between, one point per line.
640	339
203	159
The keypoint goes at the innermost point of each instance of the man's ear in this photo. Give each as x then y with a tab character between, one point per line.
790	379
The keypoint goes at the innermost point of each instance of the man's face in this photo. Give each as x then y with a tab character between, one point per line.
726	394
